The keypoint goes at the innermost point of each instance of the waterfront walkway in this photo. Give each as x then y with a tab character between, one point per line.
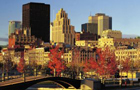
20	80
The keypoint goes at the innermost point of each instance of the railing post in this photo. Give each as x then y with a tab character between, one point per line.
61	74
54	72
3	77
24	77
35	72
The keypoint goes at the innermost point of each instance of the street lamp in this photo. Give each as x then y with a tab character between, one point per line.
61	62
3	75
132	64
120	68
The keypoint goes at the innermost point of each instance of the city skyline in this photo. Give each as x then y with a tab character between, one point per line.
71	44
77	13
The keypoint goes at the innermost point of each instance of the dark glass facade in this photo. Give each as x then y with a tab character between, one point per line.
37	17
89	27
110	22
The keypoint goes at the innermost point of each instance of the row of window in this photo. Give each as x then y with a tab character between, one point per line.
134	56
126	53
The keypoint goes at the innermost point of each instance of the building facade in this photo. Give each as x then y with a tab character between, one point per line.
51	25
119	43
37	17
103	22
90	27
21	37
132	54
77	36
13	26
88	36
62	31
87	43
39	56
85	36
78	56
111	34
133	43
103	42
1	57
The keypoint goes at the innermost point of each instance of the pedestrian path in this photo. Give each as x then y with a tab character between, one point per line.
20	80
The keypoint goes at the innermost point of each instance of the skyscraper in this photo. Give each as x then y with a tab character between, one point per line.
13	26
37	17
62	31
103	22
90	27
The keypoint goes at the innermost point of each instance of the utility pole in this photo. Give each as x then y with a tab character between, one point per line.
3	71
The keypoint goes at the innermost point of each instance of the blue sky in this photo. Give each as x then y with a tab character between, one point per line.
125	13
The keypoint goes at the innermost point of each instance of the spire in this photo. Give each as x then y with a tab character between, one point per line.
90	13
61	9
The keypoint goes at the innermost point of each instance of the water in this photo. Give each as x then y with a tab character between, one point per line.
48	86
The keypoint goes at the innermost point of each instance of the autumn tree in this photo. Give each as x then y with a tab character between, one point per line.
75	65
126	65
137	64
104	64
7	63
21	65
56	63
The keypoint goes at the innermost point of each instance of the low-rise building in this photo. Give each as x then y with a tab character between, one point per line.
103	42
135	43
1	57
87	43
119	43
68	56
21	37
134	56
81	55
39	56
123	54
111	34
85	36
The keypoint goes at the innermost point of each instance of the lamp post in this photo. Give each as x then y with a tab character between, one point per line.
132	71
3	73
54	72
61	62
120	68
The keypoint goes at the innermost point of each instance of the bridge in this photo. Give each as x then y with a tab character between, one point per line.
19	84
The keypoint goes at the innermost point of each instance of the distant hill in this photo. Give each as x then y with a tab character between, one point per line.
3	39
129	36
3	46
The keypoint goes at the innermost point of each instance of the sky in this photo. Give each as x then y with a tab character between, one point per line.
125	13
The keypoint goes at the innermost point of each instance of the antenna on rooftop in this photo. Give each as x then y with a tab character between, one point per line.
90	13
53	15
100	11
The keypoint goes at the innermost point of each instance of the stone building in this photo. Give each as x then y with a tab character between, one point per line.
79	54
111	34
62	31
87	43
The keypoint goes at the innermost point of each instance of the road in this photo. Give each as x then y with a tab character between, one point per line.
20	80
135	88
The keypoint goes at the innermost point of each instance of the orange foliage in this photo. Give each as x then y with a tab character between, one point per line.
104	64
56	61
126	65
21	65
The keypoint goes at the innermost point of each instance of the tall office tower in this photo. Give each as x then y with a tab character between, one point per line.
37	17
13	26
51	25
103	22
62	31
90	27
